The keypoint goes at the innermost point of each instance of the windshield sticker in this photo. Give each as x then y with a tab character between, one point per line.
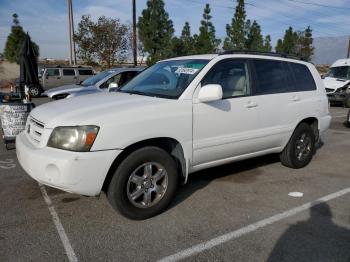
187	71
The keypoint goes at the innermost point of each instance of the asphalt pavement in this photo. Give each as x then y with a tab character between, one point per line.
236	212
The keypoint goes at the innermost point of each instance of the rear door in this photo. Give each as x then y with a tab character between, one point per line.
279	106
69	76
52	78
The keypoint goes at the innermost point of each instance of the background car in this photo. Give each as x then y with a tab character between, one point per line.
337	82
101	82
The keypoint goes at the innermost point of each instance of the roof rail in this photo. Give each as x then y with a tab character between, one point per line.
252	52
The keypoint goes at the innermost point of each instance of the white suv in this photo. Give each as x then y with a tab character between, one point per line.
179	116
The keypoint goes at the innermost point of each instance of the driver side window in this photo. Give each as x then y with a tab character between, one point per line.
232	75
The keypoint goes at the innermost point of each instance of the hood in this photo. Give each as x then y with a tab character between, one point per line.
334	83
64	89
91	109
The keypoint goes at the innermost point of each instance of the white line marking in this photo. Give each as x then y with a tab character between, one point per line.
339	131
339	116
7	164
250	228
56	220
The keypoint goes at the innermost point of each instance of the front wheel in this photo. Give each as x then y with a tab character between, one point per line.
144	183
300	148
35	91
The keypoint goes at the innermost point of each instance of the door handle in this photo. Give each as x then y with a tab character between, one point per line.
251	104
296	98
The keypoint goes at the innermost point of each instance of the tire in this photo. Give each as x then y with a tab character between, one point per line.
290	157
35	91
347	101
123	187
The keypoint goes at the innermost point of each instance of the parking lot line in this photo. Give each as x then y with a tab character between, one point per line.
250	228
56	220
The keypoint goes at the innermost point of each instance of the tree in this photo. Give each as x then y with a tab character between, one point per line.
156	31
14	42
236	31
187	39
305	47
279	46
254	39
267	44
106	40
206	41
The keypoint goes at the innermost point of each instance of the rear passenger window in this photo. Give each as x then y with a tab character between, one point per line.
68	72
271	77
303	80
85	72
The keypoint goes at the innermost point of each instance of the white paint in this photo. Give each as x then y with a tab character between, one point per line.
56	220
7	164
296	194
342	116
250	228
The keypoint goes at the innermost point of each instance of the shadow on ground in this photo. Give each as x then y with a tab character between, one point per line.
317	239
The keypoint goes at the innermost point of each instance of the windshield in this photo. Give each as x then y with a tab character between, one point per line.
342	72
167	79
96	78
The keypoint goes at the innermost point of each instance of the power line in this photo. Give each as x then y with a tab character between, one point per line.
320	5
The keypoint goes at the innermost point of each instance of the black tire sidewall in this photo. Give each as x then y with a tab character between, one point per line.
117	194
302	128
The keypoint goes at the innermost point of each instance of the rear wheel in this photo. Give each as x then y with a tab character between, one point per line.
300	148
144	183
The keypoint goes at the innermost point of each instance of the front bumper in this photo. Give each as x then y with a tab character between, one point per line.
76	172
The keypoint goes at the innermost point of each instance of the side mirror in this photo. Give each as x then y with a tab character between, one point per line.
112	86
209	93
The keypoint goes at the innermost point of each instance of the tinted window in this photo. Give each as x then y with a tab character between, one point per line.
52	72
85	72
68	72
271	76
342	72
233	77
303	80
126	77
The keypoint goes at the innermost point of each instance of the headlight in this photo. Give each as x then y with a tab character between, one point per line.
73	138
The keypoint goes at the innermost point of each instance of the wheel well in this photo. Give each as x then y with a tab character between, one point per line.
170	145
313	122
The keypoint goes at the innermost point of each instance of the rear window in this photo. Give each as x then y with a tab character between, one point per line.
85	72
303	80
271	77
68	72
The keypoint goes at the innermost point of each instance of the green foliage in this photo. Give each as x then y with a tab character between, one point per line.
185	44
237	30
14	42
296	43
206	41
156	31
106	41
267	44
306	50
254	40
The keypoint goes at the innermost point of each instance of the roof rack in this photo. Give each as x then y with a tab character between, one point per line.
252	52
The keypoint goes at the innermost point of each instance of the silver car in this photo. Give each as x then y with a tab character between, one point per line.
102	82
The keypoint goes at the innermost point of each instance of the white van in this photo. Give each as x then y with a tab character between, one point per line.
337	81
179	116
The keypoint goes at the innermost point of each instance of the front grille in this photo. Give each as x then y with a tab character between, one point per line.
328	90
35	129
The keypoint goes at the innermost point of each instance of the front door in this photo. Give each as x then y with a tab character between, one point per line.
52	78
228	127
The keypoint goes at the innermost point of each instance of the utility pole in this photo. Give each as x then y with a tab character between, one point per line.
72	56
348	56
134	40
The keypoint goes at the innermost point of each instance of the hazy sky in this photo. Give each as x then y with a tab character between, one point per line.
46	20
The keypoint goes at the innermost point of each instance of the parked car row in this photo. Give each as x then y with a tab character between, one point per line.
102	82
179	116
